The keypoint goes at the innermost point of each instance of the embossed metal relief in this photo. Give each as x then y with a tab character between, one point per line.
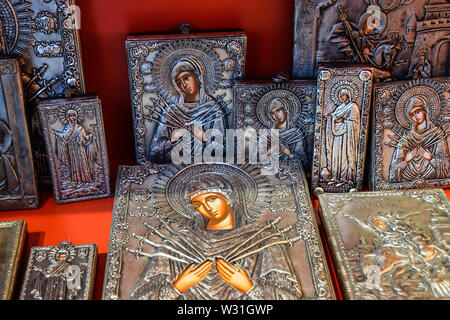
18	185
12	238
63	272
401	39
44	37
211	232
29	26
288	107
341	125
390	245
76	147
178	82
411	135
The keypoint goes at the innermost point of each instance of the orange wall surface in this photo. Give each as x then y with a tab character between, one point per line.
104	26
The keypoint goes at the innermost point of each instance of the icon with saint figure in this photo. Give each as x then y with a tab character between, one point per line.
9	180
287	106
75	143
194	112
341	125
413	130
181	89
63	272
218	247
342	137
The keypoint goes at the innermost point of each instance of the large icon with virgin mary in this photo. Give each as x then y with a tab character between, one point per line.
181	91
216	232
412	129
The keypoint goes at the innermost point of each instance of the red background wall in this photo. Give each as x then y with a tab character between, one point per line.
104	26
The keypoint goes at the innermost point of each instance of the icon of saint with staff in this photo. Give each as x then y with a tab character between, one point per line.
186	80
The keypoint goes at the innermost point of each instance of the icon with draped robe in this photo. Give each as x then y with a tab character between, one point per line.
216	251
182	93
77	152
285	110
420	139
342	135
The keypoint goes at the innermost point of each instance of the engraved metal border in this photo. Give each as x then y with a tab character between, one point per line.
328	212
377	182
95	102
396	22
247	95
306	227
18	125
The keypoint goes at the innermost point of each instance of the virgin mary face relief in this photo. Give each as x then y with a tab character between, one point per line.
215	207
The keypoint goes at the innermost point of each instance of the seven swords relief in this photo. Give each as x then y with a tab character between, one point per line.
400	39
288	106
182	84
74	136
44	37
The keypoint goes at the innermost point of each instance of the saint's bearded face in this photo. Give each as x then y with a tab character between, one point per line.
188	83
417	115
213	206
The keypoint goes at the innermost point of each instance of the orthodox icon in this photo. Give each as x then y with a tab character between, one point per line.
75	141
411	135
287	107
44	37
400	39
213	235
341	136
182	88
341	124
12	239
18	186
390	245
64	272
